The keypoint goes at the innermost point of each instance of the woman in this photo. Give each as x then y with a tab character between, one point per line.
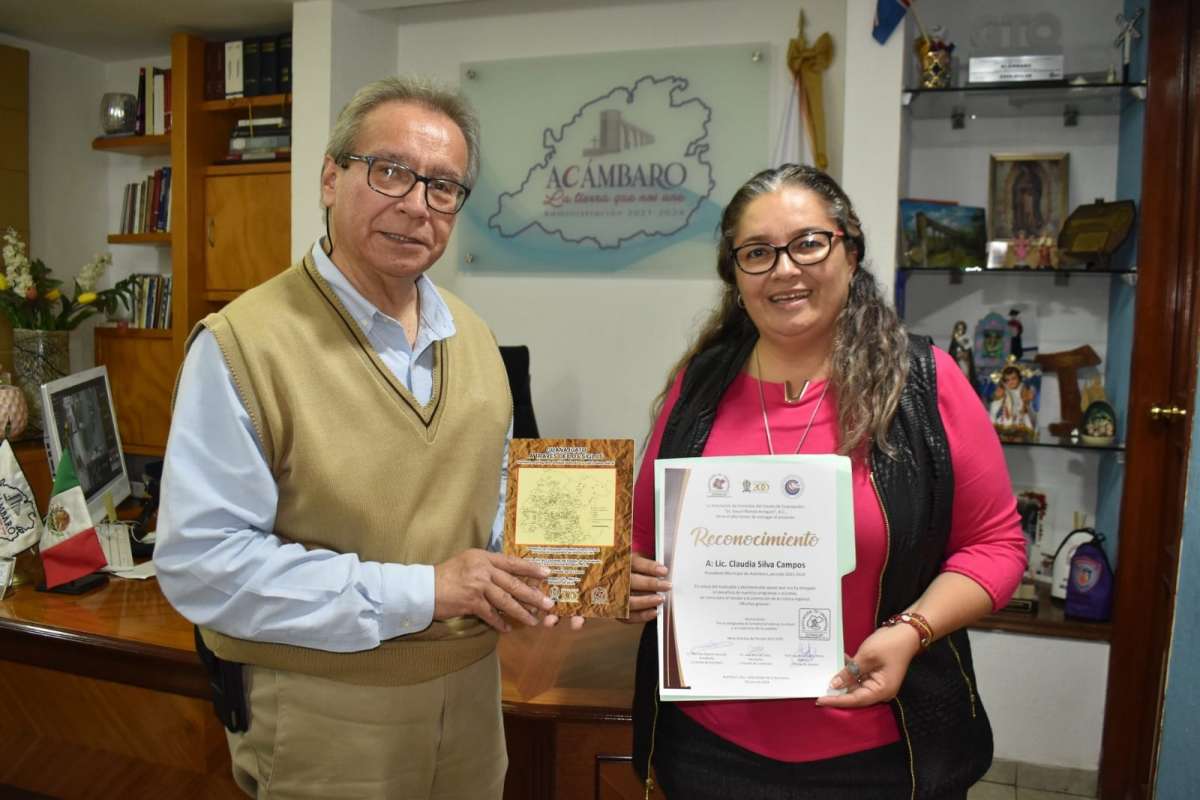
802	355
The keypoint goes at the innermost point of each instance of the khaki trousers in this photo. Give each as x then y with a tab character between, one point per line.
316	738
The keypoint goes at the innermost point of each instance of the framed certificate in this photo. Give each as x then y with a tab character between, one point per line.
569	507
756	548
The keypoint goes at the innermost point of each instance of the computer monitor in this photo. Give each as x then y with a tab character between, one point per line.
78	412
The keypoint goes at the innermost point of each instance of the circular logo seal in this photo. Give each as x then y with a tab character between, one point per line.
1085	572
718	485
793	485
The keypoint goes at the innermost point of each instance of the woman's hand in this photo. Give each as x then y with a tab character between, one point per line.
647	578
882	661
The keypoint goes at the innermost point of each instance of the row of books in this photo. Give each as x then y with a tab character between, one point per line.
248	67
147	205
153	102
151	301
264	139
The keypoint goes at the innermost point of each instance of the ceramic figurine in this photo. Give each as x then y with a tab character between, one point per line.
961	350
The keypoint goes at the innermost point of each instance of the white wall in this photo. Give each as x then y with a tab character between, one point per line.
344	49
871	130
601	345
1044	696
67	211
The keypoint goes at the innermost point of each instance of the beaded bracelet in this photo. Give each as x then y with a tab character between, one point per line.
917	621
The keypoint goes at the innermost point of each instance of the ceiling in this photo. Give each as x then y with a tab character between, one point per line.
119	30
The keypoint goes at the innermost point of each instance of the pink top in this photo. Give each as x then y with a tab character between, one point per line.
986	545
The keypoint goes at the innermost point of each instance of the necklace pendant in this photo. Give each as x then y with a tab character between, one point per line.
791	397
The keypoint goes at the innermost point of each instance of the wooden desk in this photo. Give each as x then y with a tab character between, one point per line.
104	697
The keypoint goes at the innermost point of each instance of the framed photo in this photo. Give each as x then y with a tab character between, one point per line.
937	234
1027	201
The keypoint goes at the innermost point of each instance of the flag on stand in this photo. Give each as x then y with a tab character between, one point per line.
70	547
888	14
20	527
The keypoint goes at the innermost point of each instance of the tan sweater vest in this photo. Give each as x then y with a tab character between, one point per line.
361	466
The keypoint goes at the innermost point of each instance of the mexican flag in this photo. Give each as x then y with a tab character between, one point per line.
70	547
20	527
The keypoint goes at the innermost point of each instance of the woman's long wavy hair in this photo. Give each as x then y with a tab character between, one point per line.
870	347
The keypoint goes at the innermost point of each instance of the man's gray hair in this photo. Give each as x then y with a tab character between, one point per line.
422	91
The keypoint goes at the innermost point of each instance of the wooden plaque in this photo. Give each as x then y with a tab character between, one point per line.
570	508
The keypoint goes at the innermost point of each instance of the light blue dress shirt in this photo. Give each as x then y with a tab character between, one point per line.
217	558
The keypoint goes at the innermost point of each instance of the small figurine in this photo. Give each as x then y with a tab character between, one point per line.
1016	348
961	350
1011	408
992	345
1047	252
1019	250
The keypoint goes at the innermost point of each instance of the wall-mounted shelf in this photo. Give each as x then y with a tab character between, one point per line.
159	145
1066	444
160	237
1042	99
1049	620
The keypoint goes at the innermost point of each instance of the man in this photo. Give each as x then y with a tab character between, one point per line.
331	482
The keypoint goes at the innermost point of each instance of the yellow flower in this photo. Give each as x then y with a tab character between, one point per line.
53	295
86	298
3	282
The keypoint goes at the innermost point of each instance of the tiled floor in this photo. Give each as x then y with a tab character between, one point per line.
1011	780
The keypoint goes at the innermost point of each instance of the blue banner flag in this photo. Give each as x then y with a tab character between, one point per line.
888	14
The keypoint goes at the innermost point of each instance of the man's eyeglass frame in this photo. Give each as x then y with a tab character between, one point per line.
417	178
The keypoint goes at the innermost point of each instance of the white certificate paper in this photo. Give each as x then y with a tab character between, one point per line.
756	547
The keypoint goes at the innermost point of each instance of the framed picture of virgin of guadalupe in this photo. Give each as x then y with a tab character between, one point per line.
1027	196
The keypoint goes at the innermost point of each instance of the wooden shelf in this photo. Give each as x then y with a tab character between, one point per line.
248	168
134	333
143	450
135	145
1050	620
221	295
139	238
242	103
1013	271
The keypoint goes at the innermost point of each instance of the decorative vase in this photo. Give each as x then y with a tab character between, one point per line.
117	113
14	411
39	357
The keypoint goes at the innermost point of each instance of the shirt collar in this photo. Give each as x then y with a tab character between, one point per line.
436	320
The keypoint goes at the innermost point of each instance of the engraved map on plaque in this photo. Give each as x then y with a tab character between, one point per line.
569	508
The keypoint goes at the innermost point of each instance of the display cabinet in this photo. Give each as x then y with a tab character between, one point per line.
1073	144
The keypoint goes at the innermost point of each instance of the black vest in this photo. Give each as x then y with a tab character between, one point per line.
938	710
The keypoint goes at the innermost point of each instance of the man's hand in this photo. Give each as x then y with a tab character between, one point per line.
484	584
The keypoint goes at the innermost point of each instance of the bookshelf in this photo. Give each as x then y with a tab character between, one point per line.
252	223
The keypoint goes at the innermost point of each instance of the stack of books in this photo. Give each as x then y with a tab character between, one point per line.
147	205
264	139
153	101
248	67
151	301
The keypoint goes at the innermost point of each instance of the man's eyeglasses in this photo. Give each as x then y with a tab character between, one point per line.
810	247
396	180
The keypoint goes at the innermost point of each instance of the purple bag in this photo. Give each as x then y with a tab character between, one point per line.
1090	587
